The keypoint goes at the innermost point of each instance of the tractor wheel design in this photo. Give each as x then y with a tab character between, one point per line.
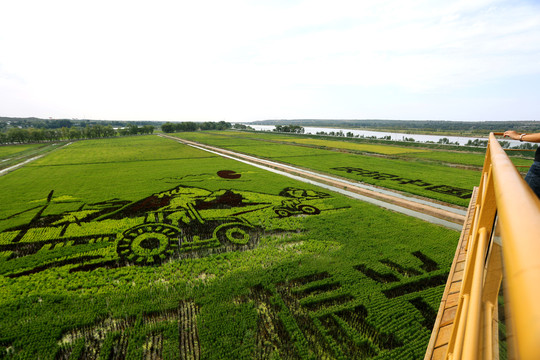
235	235
309	210
283	212
148	244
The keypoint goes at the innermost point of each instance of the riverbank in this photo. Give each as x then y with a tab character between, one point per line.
391	136
480	129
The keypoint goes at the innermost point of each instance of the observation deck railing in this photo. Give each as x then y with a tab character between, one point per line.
502	247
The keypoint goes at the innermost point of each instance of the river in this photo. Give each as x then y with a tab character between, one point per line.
461	140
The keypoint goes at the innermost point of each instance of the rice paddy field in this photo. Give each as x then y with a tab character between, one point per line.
7	151
11	155
456	155
144	248
436	180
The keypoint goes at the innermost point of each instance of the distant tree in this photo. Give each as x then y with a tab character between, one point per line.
108	131
147	129
504	144
443	140
64	132
477	142
207	125
51	134
526	146
241	127
187	126
223	125
16	135
168	127
133	129
74	134
289	129
35	135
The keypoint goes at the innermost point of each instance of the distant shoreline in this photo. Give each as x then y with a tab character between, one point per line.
422	127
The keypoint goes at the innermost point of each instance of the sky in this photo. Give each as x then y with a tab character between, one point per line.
239	61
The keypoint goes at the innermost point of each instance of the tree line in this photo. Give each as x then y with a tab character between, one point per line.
17	135
289	128
37	123
170	127
473	127
29	130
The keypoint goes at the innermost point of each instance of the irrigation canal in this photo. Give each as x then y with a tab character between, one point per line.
448	216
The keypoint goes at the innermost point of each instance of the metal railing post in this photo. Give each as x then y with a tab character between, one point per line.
502	191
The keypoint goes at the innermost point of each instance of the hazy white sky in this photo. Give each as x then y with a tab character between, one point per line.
251	60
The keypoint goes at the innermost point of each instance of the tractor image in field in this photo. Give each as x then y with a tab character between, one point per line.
182	221
295	207
174	223
168	232
295	202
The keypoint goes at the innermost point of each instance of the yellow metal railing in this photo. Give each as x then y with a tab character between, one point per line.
503	247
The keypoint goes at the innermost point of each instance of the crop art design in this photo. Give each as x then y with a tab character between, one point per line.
441	189
177	223
411	280
174	329
315	310
314	317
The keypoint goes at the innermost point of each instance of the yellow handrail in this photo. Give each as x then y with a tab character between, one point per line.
507	203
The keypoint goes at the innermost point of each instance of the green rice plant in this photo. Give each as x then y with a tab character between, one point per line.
11	155
458	156
438	181
298	278
8	151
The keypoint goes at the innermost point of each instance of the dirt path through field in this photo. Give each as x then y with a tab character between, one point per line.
11	168
437	213
18	165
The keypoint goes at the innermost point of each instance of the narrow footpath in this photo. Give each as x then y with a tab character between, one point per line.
430	211
22	163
